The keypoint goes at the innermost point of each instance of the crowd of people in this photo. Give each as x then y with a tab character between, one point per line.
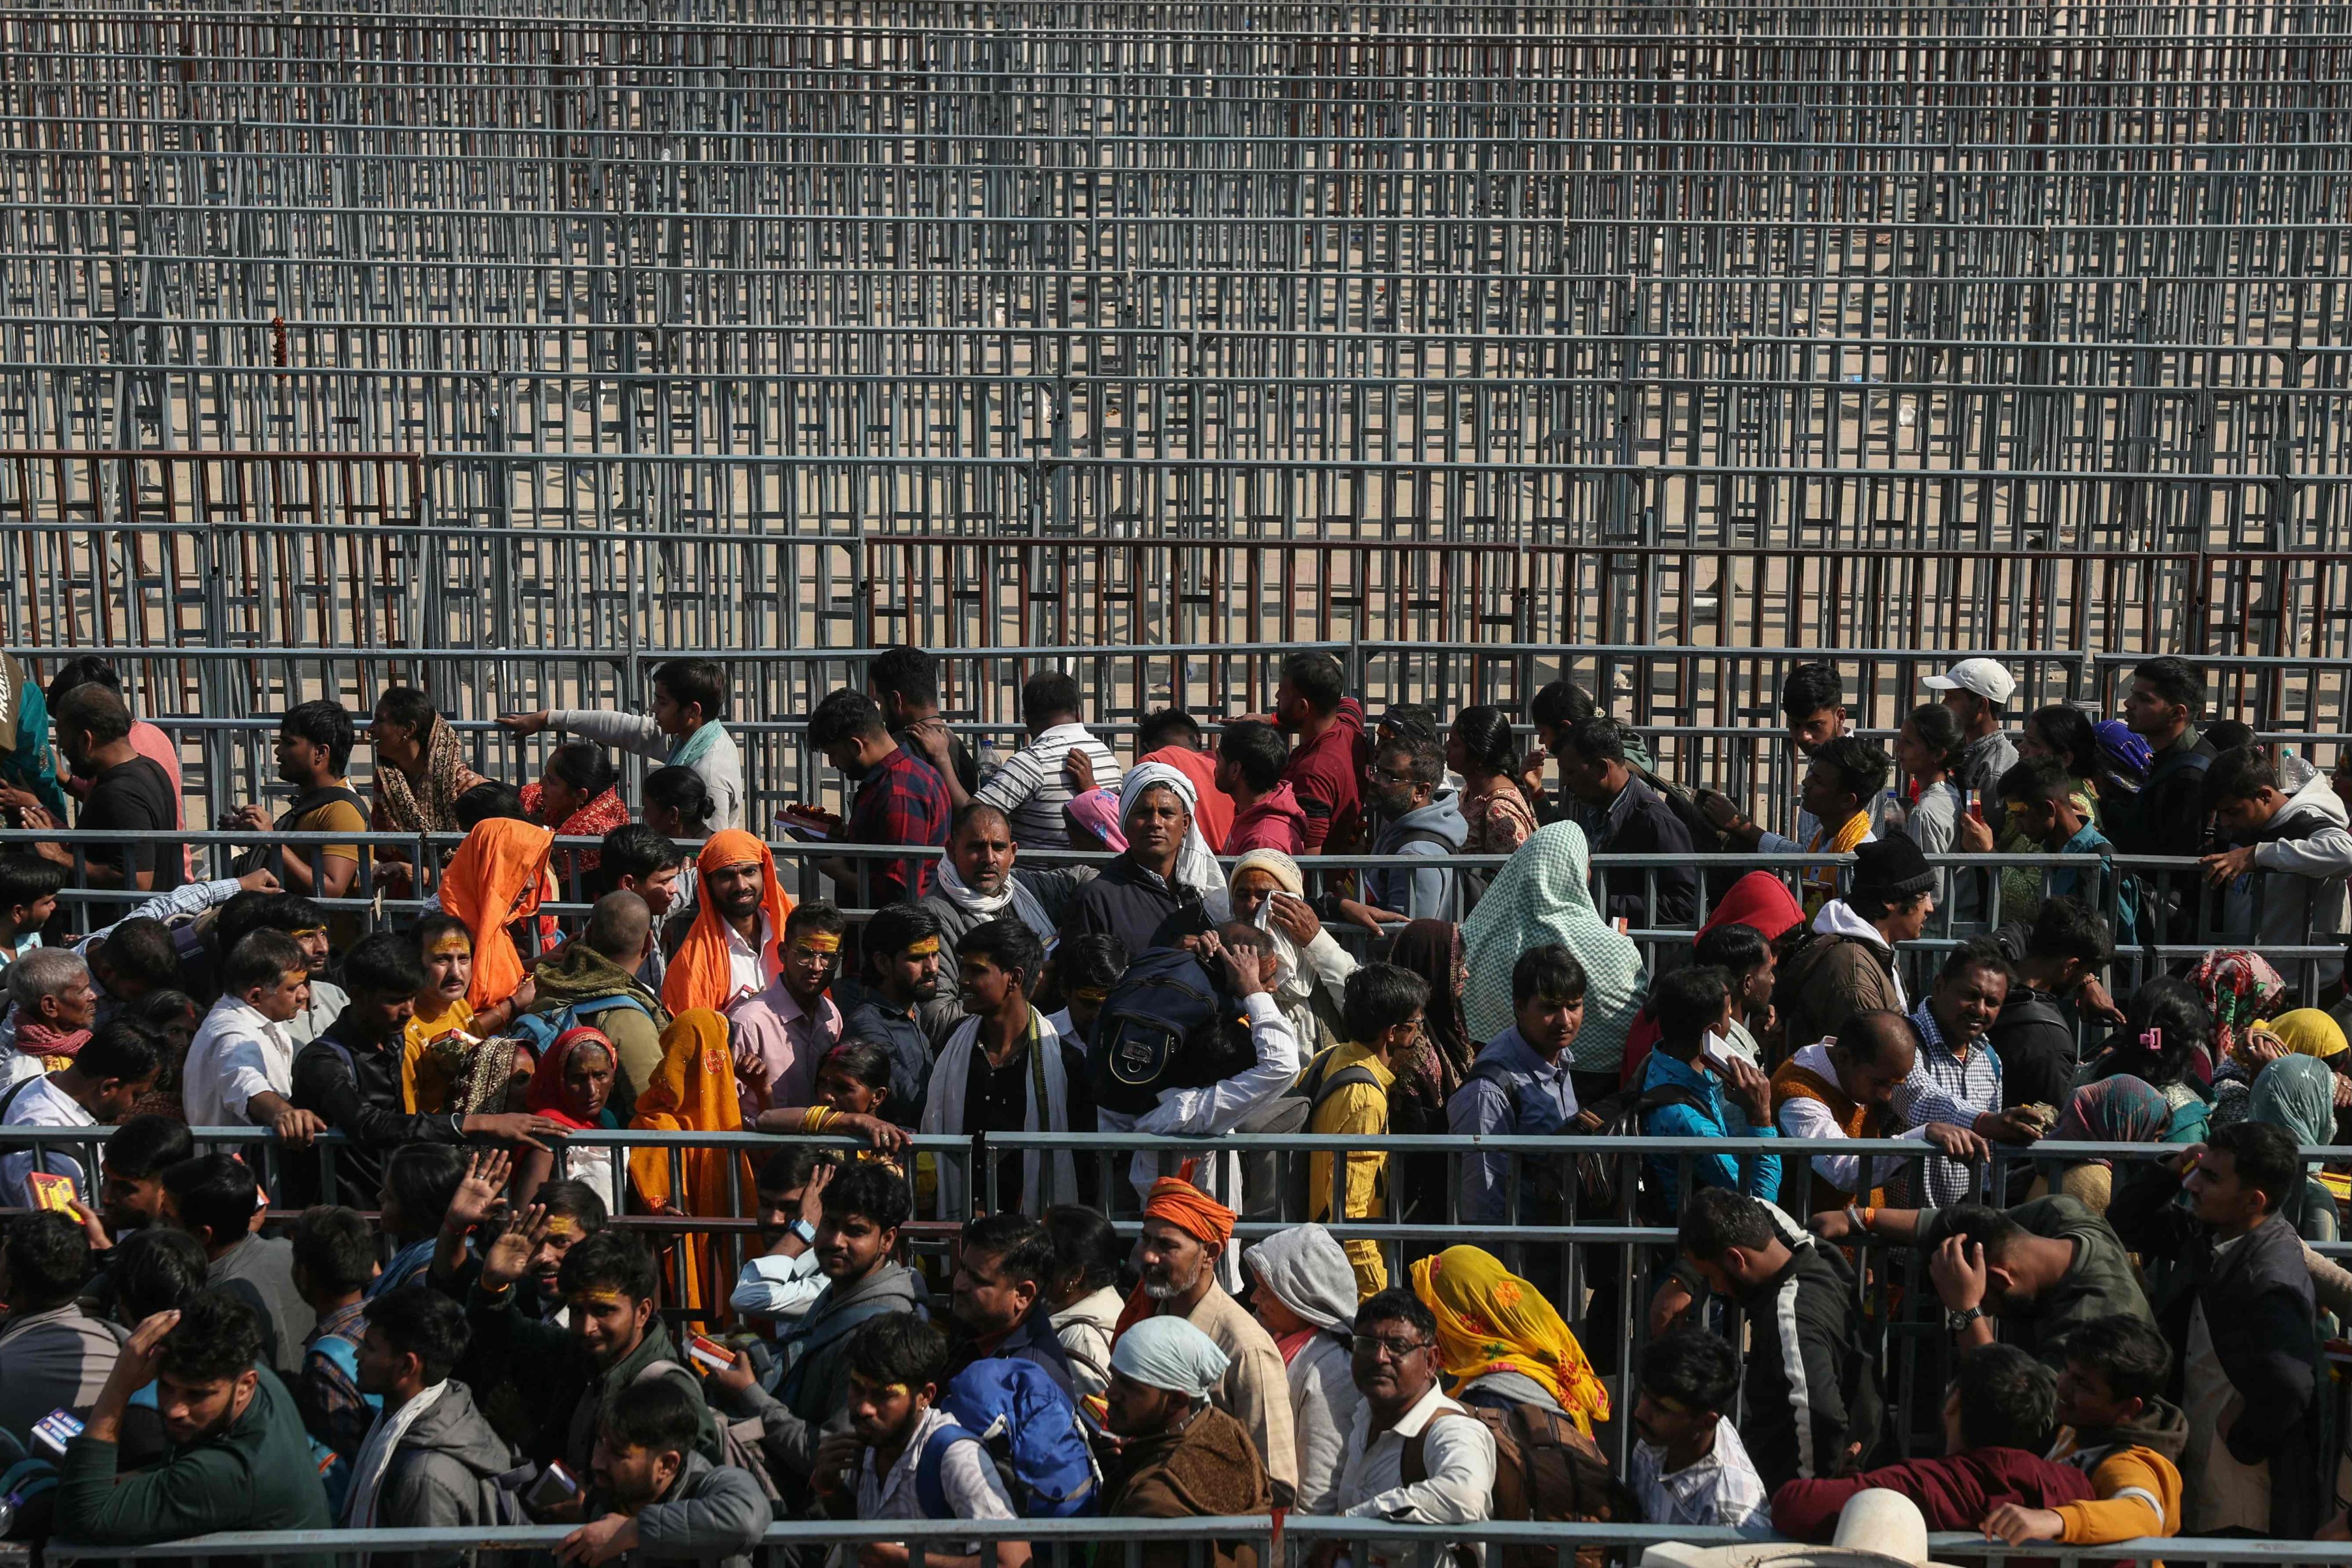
412	1294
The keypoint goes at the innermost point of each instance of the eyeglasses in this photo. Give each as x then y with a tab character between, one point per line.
1388	1350
1384	776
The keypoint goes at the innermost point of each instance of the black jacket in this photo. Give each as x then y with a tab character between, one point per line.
355	1089
1640	822
1136	907
2259	1310
1811	1386
2034	1039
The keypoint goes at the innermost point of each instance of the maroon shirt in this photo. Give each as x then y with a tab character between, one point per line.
1956	1493
1327	773
1278	821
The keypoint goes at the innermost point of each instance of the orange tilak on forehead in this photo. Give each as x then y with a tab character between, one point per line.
824	941
452	944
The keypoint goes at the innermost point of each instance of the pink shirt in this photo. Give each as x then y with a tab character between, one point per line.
772	1029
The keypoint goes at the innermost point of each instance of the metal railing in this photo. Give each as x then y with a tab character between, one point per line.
1288	1542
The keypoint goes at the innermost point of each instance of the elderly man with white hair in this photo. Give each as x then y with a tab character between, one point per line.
54	1009
1179	1456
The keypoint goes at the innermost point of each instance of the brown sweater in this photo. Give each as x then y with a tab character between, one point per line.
1207	1469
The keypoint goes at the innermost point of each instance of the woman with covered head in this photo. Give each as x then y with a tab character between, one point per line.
1543	894
1502	1342
1305	1296
573	1084
694	1091
2118	1110
1165	885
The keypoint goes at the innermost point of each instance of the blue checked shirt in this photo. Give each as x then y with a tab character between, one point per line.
1946	1086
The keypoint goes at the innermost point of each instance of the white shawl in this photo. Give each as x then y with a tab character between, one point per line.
943	1114
1196	867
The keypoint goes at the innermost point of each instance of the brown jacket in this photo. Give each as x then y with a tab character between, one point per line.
1829	980
1207	1469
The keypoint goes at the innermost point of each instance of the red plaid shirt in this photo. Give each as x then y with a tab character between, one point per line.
902	801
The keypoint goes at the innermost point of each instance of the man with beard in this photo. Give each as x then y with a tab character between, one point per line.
613	1337
898	800
430	1458
900	999
735	946
129	792
1690	1467
863	1209
979	882
1184	1233
239	1458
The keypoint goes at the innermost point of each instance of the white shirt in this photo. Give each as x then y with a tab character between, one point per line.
237	1053
1213	1111
750	969
1459	1453
42	1103
1802	1118
967	1477
779	1287
1723	1488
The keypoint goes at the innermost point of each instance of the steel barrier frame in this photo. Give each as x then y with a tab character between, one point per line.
1282	1541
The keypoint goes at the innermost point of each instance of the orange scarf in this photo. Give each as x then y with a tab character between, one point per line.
497	876
693	1090
699	973
1854	1118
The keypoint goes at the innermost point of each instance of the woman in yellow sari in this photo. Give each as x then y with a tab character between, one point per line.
1501	1342
694	1091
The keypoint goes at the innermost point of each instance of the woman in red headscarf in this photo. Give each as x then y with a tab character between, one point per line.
573	1084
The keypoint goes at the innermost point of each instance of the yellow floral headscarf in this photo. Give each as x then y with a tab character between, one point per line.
1490	1319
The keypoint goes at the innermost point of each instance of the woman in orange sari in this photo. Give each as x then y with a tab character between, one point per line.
694	1091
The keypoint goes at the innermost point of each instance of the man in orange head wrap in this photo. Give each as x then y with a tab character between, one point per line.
734	947
1184	1233
498	876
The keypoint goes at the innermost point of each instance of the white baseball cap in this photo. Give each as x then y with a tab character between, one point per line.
1985	677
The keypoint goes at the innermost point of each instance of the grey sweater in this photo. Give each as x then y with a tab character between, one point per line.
712	1514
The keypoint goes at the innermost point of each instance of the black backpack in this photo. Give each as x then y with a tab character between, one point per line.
1166	1025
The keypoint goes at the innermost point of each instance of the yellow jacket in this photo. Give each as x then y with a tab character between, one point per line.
2136	1493
1355	1108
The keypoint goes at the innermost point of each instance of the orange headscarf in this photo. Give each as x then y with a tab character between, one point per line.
699	975
1189	1210
498	875
693	1090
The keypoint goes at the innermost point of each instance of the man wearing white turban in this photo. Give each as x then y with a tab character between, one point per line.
1180	1456
1165	886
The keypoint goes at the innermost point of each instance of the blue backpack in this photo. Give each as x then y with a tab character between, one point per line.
539	1030
1031	1432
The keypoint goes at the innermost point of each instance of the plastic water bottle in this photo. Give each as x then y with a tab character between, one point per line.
1896	814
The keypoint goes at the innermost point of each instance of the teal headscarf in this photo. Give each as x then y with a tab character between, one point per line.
2297	1093
1543	894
